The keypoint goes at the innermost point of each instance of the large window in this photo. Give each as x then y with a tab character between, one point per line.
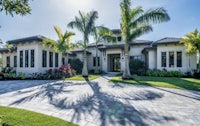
163	59
94	61
15	61
50	59
21	58
63	61
56	59
171	59
32	58
8	61
179	59
44	58
26	58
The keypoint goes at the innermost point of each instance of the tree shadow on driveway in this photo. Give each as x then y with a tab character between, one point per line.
100	107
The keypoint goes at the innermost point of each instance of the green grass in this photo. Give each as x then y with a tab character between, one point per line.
19	117
169	82
81	78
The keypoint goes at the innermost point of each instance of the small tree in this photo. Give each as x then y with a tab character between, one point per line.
192	44
63	44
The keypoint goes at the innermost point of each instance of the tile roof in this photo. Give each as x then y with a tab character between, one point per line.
167	40
38	38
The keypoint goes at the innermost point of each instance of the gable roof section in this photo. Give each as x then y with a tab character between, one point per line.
38	38
140	42
167	40
8	50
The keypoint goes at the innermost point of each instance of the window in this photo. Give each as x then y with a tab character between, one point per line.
137	57
44	58
32	58
63	61
179	59
119	38
8	61
50	59
171	59
26	58
15	61
21	58
56	59
163	59
94	61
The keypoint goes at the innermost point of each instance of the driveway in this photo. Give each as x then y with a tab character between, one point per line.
102	103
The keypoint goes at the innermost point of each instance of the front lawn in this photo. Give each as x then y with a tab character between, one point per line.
81	78
19	117
169	82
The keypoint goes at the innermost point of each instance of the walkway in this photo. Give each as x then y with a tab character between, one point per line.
101	103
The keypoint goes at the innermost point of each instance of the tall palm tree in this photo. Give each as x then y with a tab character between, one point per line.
63	44
100	33
85	23
136	22
192	44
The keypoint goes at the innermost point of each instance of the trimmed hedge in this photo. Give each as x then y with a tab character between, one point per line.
163	73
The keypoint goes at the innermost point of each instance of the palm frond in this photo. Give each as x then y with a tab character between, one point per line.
153	16
49	43
140	31
59	33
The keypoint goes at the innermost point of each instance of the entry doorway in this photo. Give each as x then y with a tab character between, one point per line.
114	64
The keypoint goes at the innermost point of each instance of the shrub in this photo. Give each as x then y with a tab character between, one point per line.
137	67
77	65
21	75
163	73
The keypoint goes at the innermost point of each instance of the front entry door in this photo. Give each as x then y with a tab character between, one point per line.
116	64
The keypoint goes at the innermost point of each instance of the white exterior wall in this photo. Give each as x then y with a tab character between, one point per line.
152	59
27	46
136	50
44	69
188	62
90	58
38	58
11	54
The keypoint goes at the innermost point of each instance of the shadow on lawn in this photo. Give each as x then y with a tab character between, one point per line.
106	108
178	82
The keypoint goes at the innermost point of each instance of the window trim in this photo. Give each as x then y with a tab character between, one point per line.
8	61
26	58
21	58
56	59
50	59
181	59
171	65
15	61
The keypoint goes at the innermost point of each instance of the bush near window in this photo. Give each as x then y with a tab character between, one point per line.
77	65
64	71
163	73
137	67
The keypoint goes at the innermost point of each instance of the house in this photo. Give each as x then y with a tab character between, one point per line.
29	56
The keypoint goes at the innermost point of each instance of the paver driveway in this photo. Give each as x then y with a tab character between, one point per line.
100	102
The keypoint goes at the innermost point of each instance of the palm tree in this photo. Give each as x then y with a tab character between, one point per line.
192	44
100	33
85	23
63	44
136	22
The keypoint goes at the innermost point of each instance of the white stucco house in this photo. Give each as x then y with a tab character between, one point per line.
29	56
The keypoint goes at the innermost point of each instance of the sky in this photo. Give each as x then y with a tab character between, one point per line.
184	14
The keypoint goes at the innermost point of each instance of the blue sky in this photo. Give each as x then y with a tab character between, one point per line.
185	17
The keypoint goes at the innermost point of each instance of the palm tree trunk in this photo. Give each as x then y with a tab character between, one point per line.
126	74
96	63
198	69
67	59
85	70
